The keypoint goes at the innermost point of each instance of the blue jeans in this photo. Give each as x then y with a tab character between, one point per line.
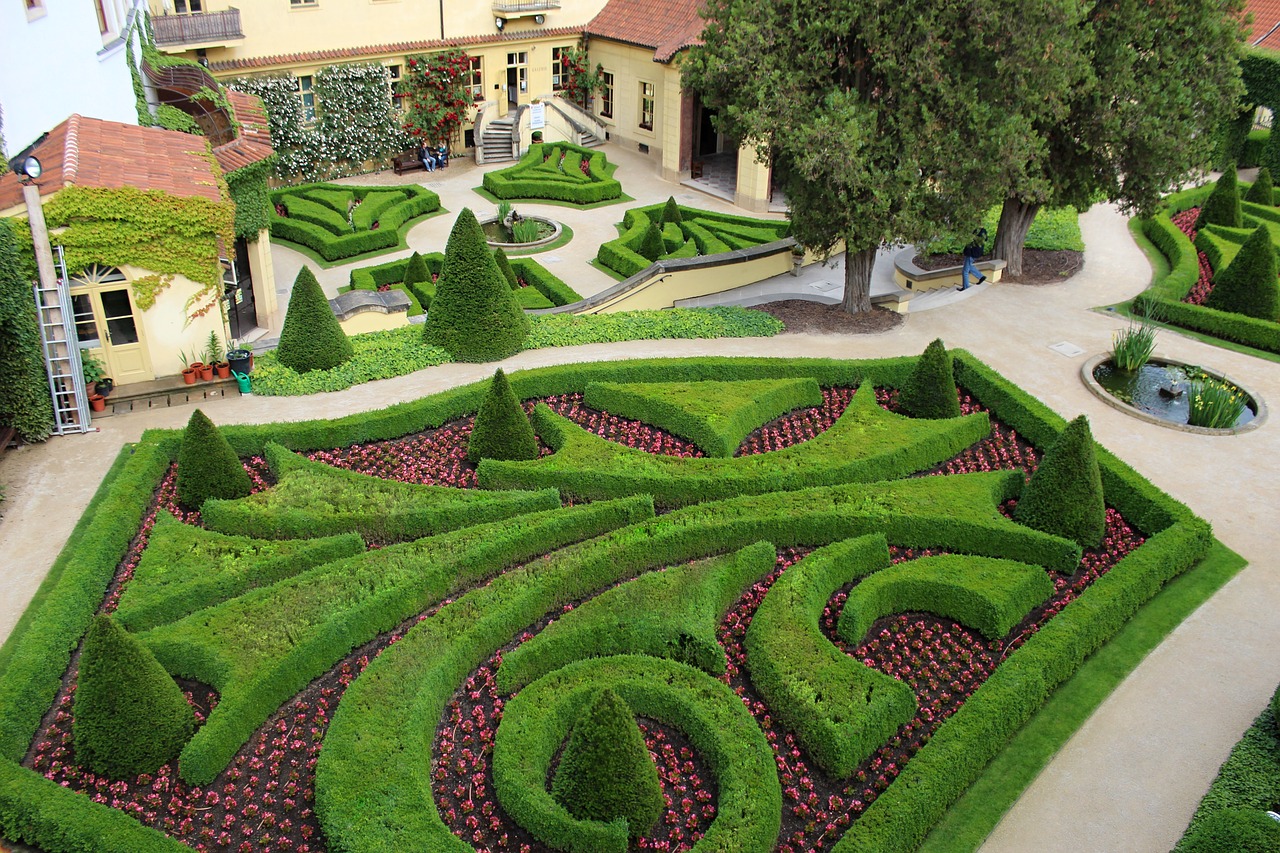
429	163
968	270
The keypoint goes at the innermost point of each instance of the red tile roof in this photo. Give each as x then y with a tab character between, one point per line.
313	56
91	152
1266	23
667	26
254	143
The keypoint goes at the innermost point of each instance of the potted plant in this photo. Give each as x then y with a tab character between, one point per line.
240	359
213	358
189	372
95	378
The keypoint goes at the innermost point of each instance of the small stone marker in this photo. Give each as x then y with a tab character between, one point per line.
1066	348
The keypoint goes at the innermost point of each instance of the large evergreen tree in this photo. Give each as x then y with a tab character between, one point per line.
24	394
312	337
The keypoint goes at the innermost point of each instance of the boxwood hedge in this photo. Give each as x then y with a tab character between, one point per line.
318	217
543	174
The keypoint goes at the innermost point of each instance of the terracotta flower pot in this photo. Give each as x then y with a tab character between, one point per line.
206	372
189	375
97	402
223	369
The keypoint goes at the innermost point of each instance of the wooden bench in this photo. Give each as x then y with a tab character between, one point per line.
406	162
911	277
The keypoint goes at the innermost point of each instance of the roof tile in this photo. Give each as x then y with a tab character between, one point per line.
667	26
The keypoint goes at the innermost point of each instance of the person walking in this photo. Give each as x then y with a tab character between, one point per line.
972	252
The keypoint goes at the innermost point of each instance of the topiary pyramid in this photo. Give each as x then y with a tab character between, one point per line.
312	338
1222	207
474	316
651	245
606	772
930	391
505	266
671	211
1248	285
130	716
1064	497
502	429
1262	191
207	465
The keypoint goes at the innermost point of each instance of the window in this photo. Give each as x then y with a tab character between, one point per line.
606	95
307	94
475	80
102	16
303	4
519	63
35	9
646	106
397	96
559	68
183	7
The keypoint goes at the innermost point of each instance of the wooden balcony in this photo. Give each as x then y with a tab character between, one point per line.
197	28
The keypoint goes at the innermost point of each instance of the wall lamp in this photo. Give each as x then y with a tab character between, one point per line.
499	23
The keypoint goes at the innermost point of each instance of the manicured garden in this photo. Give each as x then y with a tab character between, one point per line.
752	622
556	171
339	222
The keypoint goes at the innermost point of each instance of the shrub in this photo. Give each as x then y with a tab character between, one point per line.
502	429
606	771
1234	831
671	211
474	316
312	338
931	390
1248	285
24	396
533	178
651	246
1215	403
1263	190
207	466
417	280
130	716
1064	496
505	267
1222	207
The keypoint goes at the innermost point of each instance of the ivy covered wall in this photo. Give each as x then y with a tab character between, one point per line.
25	404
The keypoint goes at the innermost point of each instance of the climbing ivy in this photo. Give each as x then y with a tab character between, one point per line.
1260	71
249	191
435	87
24	394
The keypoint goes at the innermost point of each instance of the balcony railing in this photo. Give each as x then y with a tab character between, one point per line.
520	7
197	28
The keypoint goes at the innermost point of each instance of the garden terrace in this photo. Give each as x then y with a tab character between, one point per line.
338	222
536	286
556	171
391	658
700	232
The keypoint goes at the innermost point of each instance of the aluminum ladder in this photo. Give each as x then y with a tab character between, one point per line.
61	347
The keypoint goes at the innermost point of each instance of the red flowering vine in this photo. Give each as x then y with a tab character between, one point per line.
437	95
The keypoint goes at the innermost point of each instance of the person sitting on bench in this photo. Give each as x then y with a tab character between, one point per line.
442	156
428	157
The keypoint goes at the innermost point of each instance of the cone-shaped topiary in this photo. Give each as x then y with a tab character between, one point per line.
1248	285
415	276
475	316
1262	191
671	211
1064	496
502	429
505	267
130	716
1222	207
606	771
311	338
651	245
207	466
930	391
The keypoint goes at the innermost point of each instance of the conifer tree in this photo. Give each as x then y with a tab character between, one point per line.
671	211
606	771
930	392
505	266
130	716
1064	496
651	245
312	338
1262	191
207	465
474	316
416	275
502	429
1249	285
1222	207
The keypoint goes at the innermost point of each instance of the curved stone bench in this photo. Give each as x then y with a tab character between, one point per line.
911	277
370	310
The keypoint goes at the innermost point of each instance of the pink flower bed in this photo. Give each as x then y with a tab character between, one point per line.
1186	223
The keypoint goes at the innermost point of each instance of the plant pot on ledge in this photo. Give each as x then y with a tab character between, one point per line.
223	369
189	375
240	360
104	386
206	372
97	402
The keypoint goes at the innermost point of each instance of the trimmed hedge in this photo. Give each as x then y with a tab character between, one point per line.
313	221
716	416
931	390
672	614
207	466
1064	496
502	429
866	444
1262	190
840	710
545	289
991	596
1249	286
533	179
311	338
711	232
1222	207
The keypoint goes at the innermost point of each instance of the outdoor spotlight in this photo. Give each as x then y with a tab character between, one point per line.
499	22
31	167
539	19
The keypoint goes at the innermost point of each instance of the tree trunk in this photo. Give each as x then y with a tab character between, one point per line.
857	280
1011	234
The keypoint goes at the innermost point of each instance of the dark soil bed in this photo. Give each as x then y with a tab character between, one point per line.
1039	266
801	315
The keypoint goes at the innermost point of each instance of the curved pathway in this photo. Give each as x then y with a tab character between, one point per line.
1130	779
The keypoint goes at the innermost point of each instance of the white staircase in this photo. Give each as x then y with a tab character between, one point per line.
587	139
496	141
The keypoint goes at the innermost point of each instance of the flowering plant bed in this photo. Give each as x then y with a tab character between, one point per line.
365	703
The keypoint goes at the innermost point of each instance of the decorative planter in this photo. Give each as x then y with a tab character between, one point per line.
189	375
206	372
97	402
240	360
223	369
104	386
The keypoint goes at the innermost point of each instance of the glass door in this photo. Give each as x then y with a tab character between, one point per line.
126	355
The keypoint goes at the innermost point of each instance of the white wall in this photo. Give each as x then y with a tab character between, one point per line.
56	61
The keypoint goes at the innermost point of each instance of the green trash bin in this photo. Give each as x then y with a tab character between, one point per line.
242	379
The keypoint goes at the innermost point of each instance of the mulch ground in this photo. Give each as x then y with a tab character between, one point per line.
1039	266
800	315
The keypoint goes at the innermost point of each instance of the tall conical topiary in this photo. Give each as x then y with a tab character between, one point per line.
475	316
502	429
930	391
651	245
606	771
207	466
416	275
671	211
1248	285
505	266
1262	191
312	338
130	716
1064	496
1222	207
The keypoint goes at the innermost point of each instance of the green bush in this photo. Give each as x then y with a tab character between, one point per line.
1064	496
1249	285
532	178
25	403
1262	191
540	279
207	466
1222	207
502	429
651	246
417	280
1234	831
312	338
130	716
318	217
606	772
474	316
671	211
504	266
931	390
366	214
712	233
1255	148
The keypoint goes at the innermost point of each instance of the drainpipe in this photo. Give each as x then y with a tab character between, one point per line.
441	20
